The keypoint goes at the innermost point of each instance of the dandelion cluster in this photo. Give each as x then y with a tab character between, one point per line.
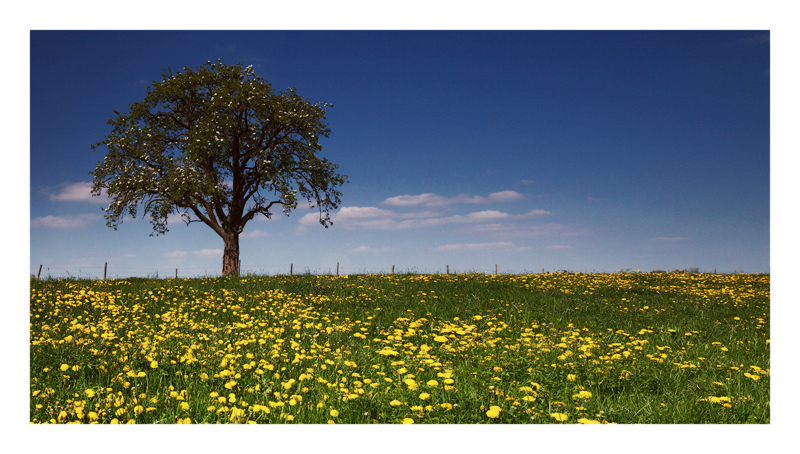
549	348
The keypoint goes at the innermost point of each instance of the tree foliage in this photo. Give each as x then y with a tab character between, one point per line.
218	145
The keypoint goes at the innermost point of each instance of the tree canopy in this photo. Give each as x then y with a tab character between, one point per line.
216	145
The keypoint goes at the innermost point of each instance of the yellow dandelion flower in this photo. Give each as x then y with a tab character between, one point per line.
582	395
587	421
408	421
558	416
494	412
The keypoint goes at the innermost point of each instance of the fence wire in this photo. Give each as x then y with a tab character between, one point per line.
115	272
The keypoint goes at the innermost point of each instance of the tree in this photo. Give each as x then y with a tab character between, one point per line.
216	145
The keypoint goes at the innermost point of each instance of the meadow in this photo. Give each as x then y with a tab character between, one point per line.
552	348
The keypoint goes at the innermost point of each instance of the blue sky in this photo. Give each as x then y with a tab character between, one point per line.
585	150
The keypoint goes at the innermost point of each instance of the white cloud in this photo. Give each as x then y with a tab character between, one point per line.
427	199
526	230
557	247
502	196
203	253
176	254
66	221
532	213
372	249
501	246
485	216
434	200
380	219
419	214
362	213
254	234
350	216
176	218
78	192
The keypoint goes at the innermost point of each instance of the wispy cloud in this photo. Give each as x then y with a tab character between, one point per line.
434	200
66	221
204	253
760	38
557	247
667	240
254	234
372	249
505	231
78	192
380	219
496	246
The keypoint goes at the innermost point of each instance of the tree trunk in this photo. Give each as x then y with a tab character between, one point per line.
230	256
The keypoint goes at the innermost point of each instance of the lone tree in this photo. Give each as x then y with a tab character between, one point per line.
216	145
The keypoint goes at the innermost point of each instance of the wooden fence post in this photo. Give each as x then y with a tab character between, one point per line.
39	273
392	269
105	267
495	268
176	273
448	269
290	268
337	268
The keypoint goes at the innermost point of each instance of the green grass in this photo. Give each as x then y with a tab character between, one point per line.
652	348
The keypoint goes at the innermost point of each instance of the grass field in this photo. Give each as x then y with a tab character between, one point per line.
554	348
